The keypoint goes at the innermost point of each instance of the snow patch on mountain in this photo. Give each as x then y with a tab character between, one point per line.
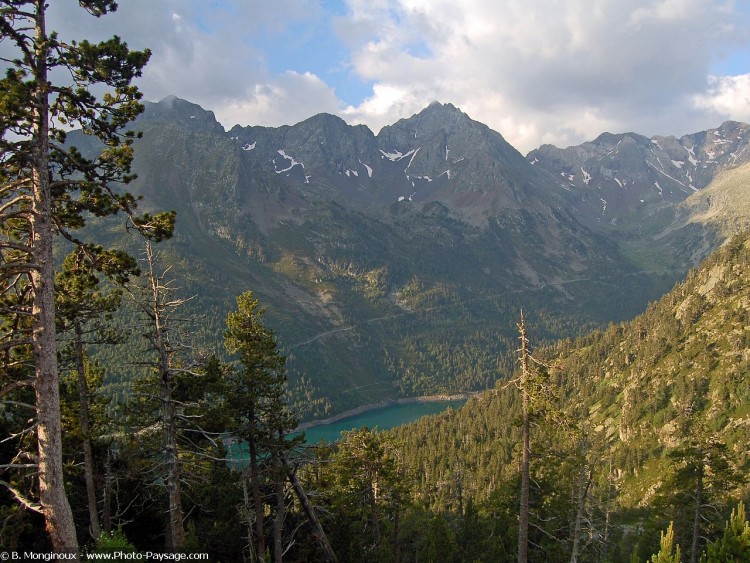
396	155
690	187
413	154
292	164
691	158
586	178
368	168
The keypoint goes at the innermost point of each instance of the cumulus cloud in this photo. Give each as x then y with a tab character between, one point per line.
540	72
727	96
536	71
214	54
289	98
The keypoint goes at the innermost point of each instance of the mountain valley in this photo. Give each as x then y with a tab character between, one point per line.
395	264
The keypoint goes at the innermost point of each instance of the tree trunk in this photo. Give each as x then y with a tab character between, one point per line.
278	521
584	481
697	514
176	528
523	514
607	514
107	493
257	500
318	532
55	506
396	530
83	416
249	513
373	501
161	343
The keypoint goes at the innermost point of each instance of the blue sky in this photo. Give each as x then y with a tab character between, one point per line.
314	46
537	71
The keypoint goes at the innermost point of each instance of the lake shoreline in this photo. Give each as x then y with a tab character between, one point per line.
382	404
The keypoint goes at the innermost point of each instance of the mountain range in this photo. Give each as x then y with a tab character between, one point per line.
395	264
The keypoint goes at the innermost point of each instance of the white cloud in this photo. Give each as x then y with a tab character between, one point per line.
207	53
289	99
538	71
727	96
535	70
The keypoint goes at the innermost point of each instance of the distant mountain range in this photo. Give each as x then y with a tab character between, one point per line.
395	264
630	173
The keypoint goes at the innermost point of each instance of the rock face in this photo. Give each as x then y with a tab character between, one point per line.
438	155
395	264
627	177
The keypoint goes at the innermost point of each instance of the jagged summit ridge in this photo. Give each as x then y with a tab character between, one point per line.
435	155
441	155
187	114
621	175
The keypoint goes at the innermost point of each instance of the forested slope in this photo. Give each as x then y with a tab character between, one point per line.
636	412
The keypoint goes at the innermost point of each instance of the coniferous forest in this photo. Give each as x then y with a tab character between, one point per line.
627	444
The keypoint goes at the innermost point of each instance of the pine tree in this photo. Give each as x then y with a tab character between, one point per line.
734	545
539	401
668	552
157	301
702	475
255	396
48	189
83	308
524	384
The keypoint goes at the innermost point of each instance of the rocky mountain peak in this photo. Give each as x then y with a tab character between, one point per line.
442	155
615	178
322	147
187	114
436	120
461	160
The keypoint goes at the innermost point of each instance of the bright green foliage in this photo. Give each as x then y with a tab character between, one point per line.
668	552
734	545
367	494
114	542
256	347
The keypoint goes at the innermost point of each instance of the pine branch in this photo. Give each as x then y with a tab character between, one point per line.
26	503
15	385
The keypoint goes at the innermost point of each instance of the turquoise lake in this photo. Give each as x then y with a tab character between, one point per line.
383	418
